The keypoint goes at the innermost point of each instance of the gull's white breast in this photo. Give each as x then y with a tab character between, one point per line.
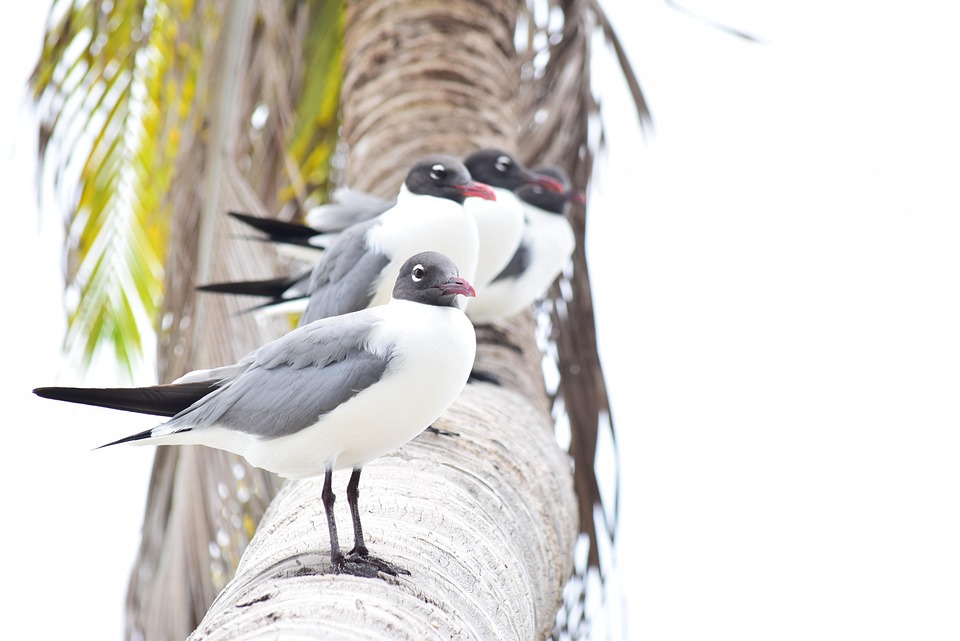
423	223
500	228
550	241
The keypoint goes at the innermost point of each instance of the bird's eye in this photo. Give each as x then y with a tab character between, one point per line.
438	172
418	273
503	164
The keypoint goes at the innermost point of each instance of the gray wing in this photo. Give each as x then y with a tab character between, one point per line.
517	265
216	374
294	380
346	277
349	207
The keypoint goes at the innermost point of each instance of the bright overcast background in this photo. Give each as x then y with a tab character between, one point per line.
776	271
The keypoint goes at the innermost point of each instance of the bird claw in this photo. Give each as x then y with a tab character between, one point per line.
495	336
477	376
439	432
372	564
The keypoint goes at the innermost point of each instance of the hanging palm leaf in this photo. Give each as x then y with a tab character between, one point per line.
561	125
114	85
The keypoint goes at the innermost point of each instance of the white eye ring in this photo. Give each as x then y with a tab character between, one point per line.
417	274
438	172
503	164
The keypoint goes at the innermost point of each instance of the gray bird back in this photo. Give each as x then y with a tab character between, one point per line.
293	381
346	277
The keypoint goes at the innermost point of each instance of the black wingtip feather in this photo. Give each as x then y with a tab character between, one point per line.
158	400
139	436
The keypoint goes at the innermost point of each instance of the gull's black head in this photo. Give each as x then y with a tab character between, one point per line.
432	279
497	168
555	172
551	201
445	177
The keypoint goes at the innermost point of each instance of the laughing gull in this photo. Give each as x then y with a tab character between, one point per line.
356	270
329	395
547	245
500	223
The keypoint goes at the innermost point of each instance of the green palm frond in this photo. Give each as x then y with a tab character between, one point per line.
313	136
113	85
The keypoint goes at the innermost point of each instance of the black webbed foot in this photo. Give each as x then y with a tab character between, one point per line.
363	558
477	376
495	336
307	570
368	567
439	432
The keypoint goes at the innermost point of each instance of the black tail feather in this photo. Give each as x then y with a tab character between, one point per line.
159	400
280	231
270	288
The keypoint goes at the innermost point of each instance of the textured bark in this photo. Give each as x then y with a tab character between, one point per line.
426	77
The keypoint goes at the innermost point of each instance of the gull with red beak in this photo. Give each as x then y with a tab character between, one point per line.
545	248
357	268
332	394
500	225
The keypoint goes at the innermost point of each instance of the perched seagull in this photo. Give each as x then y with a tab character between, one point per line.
547	245
357	268
330	395
500	223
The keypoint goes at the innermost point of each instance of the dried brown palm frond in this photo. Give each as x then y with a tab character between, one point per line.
561	126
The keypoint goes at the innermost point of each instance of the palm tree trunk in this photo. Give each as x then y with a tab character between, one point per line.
486	521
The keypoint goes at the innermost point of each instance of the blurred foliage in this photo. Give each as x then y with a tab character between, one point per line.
119	85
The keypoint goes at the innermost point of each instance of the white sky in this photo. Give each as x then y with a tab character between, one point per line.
776	273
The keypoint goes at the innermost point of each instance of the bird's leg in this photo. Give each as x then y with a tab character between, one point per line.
477	376
353	495
341	565
359	553
493	335
328	497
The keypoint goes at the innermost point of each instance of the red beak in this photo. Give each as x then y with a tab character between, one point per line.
576	196
477	190
458	285
548	183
